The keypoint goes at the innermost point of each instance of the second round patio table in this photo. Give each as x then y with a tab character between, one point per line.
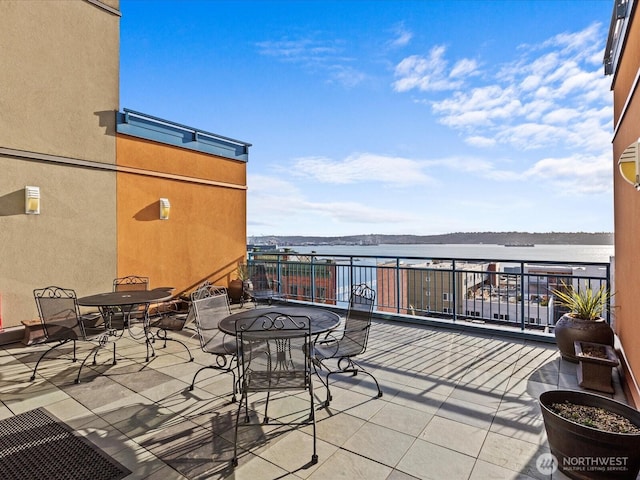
322	320
126	301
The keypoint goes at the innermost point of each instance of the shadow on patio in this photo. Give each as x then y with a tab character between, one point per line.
456	405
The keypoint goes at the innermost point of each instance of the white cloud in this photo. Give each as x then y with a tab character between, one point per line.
353	212
565	176
315	55
402	37
480	141
346	75
273	203
299	50
575	174
552	96
464	68
429	73
363	167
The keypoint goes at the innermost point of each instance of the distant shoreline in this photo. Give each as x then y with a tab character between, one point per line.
492	238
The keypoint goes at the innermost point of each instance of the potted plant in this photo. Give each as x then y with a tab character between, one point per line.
237	286
591	436
595	361
583	322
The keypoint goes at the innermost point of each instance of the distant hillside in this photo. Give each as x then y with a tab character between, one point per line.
495	238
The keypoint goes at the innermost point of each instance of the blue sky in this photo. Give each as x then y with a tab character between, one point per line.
390	117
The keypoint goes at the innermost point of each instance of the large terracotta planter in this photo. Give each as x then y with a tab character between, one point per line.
569	330
236	290
587	453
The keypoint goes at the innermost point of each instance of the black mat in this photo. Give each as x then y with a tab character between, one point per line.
36	445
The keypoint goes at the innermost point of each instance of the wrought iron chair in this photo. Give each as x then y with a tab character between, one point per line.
261	287
134	312
212	307
130	282
351	341
273	356
61	321
168	317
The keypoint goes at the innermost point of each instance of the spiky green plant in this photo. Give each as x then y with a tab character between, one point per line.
242	272
586	304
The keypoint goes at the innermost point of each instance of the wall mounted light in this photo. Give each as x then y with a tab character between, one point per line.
32	200
165	208
629	165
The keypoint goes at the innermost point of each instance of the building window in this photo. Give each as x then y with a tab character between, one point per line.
445	297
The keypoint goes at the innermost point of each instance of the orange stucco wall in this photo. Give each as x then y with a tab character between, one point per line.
205	236
627	213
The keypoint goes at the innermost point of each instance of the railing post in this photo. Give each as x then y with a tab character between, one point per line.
454	284
608	280
313	278
522	324
351	271
279	275
397	285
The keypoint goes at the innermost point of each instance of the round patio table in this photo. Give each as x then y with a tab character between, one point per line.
126	298
321	320
127	302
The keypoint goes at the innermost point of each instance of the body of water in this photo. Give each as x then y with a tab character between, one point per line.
536	253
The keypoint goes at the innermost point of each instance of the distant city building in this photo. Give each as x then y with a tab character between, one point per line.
427	288
480	291
301	277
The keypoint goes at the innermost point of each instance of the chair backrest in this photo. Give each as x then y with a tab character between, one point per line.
259	278
358	320
275	353
131	282
208	312
206	289
202	290
59	313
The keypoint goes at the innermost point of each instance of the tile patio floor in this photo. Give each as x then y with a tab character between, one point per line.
456	406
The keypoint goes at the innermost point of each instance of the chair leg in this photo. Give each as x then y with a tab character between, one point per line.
165	337
325	384
33	376
215	367
353	368
358	368
266	409
193	382
148	342
314	456
93	351
234	460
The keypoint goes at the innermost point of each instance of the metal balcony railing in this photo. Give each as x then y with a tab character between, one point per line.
509	293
